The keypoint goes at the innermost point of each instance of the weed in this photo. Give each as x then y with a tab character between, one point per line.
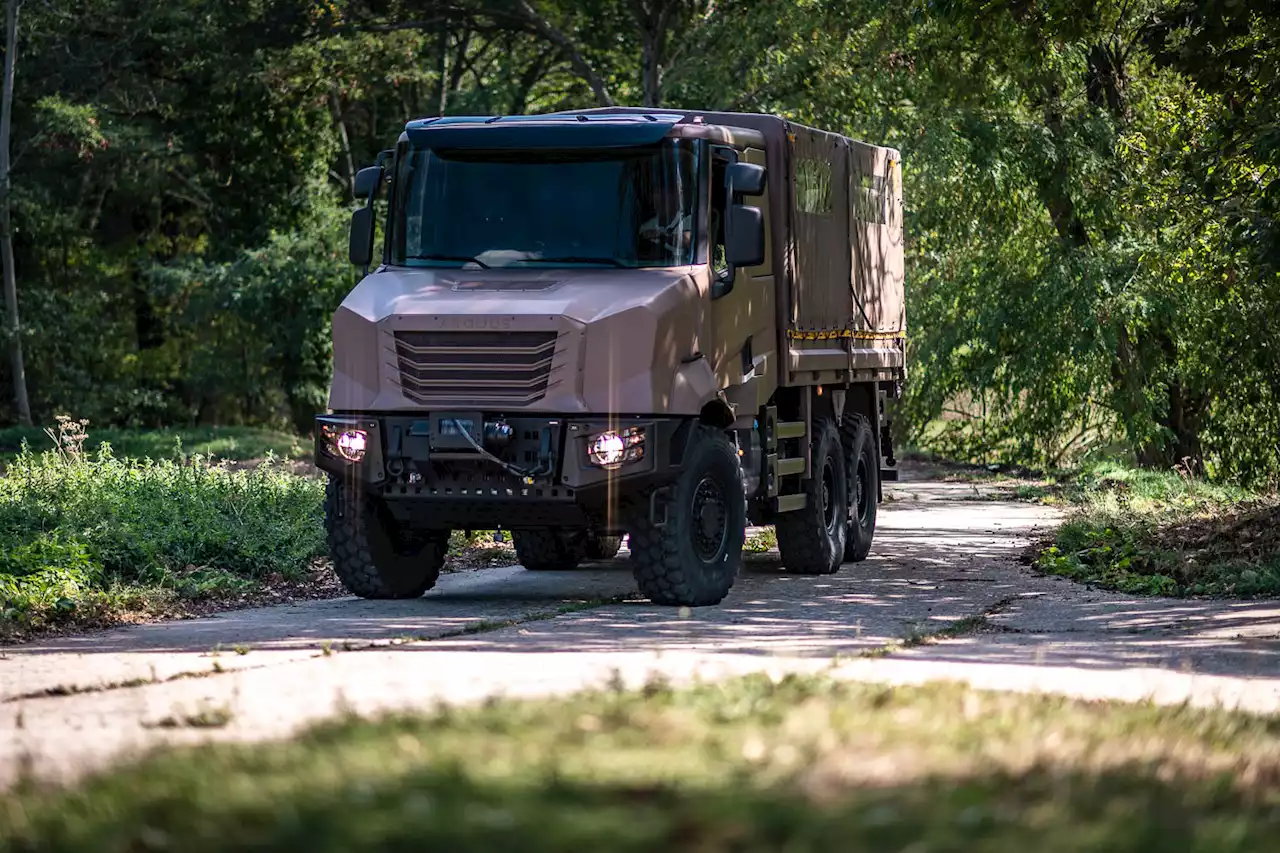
761	541
205	716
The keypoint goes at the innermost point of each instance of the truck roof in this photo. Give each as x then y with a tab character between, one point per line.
553	130
775	128
605	127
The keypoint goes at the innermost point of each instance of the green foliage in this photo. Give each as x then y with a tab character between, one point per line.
251	338
1090	189
1152	533
75	528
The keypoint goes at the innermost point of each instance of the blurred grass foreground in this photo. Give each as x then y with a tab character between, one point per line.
754	764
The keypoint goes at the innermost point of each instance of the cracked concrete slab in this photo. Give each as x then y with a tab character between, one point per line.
944	553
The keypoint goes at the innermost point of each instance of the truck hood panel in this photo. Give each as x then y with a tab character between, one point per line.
594	341
581	295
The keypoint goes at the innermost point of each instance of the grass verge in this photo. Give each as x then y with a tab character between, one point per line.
238	444
1160	533
805	763
85	539
89	539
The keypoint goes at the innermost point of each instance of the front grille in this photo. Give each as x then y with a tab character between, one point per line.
475	368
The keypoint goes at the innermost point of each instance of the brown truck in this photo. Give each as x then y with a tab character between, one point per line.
669	325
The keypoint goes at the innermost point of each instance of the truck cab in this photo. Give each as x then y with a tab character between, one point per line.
577	329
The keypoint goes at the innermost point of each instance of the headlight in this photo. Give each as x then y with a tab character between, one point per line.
348	442
611	449
351	444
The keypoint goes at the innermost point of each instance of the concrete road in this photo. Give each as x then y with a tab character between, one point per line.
944	561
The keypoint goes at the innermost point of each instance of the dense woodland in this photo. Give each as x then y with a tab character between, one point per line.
1091	193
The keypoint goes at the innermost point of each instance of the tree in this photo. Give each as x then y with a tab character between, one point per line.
6	223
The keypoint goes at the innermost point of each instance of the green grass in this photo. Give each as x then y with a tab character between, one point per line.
1161	533
233	443
802	764
84	536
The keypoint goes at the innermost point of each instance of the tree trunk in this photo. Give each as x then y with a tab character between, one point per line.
6	224
335	105
1054	180
439	98
654	19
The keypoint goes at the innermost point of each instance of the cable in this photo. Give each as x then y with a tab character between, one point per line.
506	466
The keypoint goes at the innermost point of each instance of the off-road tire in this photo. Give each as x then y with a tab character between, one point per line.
860	444
371	557
597	547
811	541
666	562
546	550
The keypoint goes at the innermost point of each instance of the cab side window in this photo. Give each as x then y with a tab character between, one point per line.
719	210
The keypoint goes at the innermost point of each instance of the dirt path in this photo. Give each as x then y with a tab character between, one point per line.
942	597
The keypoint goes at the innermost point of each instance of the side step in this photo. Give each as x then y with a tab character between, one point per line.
788	467
889	475
776	468
790	429
790	503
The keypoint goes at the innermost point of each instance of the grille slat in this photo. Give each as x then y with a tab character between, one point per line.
481	367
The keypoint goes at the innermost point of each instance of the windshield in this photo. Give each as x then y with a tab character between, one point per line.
616	207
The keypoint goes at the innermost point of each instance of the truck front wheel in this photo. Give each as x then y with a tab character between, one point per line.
693	559
373	556
811	541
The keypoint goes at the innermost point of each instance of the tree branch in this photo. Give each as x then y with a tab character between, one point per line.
544	28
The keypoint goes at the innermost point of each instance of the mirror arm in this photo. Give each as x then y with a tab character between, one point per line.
722	285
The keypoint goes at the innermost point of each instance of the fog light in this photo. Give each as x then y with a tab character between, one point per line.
351	444
611	449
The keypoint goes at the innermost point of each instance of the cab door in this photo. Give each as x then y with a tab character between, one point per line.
744	355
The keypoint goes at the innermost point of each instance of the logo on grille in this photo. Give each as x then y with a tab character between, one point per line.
497	324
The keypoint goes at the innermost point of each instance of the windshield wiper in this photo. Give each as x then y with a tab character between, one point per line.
436	257
578	259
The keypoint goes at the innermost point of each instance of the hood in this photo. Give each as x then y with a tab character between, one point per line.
582	295
599	341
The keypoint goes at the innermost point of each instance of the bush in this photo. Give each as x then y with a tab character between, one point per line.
1154	533
74	527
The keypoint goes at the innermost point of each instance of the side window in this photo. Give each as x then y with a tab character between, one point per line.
720	201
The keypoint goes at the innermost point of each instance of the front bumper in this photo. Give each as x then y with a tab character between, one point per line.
430	474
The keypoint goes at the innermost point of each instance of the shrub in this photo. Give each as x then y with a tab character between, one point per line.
74	525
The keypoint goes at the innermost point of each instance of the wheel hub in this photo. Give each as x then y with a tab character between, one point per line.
710	521
828	495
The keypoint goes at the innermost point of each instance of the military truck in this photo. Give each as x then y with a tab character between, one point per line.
667	324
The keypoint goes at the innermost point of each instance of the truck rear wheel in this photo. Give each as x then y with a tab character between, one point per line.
811	541
864	481
546	549
694	558
597	547
373	556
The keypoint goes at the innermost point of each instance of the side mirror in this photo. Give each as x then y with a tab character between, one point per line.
746	178
366	182
744	242
361	250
